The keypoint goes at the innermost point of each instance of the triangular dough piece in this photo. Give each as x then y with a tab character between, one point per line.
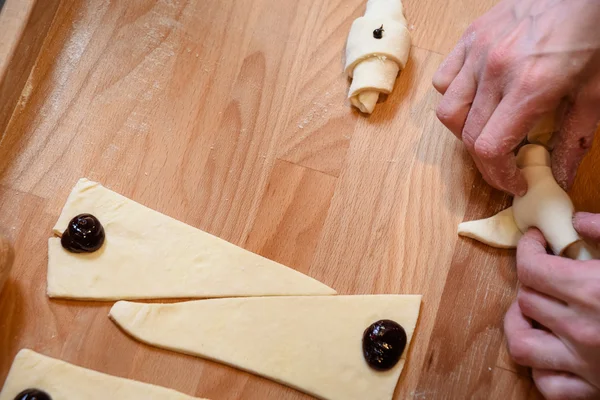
62	380
148	255
498	231
311	343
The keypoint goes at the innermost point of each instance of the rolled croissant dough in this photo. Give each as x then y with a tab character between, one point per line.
542	133
64	381
374	63
545	206
310	343
148	255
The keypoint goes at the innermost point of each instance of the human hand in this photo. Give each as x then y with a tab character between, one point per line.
564	296
520	61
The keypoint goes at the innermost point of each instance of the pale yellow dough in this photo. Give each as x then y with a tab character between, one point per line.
545	206
543	131
373	64
497	231
64	381
148	255
313	344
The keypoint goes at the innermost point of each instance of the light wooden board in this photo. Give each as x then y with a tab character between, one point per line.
232	116
23	28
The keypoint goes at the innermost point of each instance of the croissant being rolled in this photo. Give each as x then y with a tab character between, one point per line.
377	49
546	206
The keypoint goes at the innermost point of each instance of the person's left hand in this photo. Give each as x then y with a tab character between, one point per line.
564	296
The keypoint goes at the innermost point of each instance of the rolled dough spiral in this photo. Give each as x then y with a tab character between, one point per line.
374	63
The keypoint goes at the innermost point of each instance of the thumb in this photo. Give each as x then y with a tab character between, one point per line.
588	225
532	243
574	139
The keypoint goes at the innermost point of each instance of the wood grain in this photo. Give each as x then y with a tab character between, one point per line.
13	18
481	284
6	260
232	116
438	25
23	24
504	385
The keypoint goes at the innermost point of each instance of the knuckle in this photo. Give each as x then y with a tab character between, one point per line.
439	83
533	76
540	83
519	350
497	61
525	263
477	37
469	138
524	302
481	39
472	29
444	112
486	149
448	112
585	334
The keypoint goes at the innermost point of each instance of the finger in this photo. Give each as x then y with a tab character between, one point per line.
485	102
560	385
550	312
515	321
480	168
450	68
588	225
550	275
456	103
535	348
574	139
503	132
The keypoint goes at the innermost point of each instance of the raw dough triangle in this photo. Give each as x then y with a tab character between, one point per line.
499	231
62	380
148	255
311	343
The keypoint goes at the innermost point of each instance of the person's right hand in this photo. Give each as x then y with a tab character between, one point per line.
522	60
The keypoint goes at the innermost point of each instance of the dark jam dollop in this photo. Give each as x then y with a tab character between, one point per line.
33	394
378	33
84	234
383	344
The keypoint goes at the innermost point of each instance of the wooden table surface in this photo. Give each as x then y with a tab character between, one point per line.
232	116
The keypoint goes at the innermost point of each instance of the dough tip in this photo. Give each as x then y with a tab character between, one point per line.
121	309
